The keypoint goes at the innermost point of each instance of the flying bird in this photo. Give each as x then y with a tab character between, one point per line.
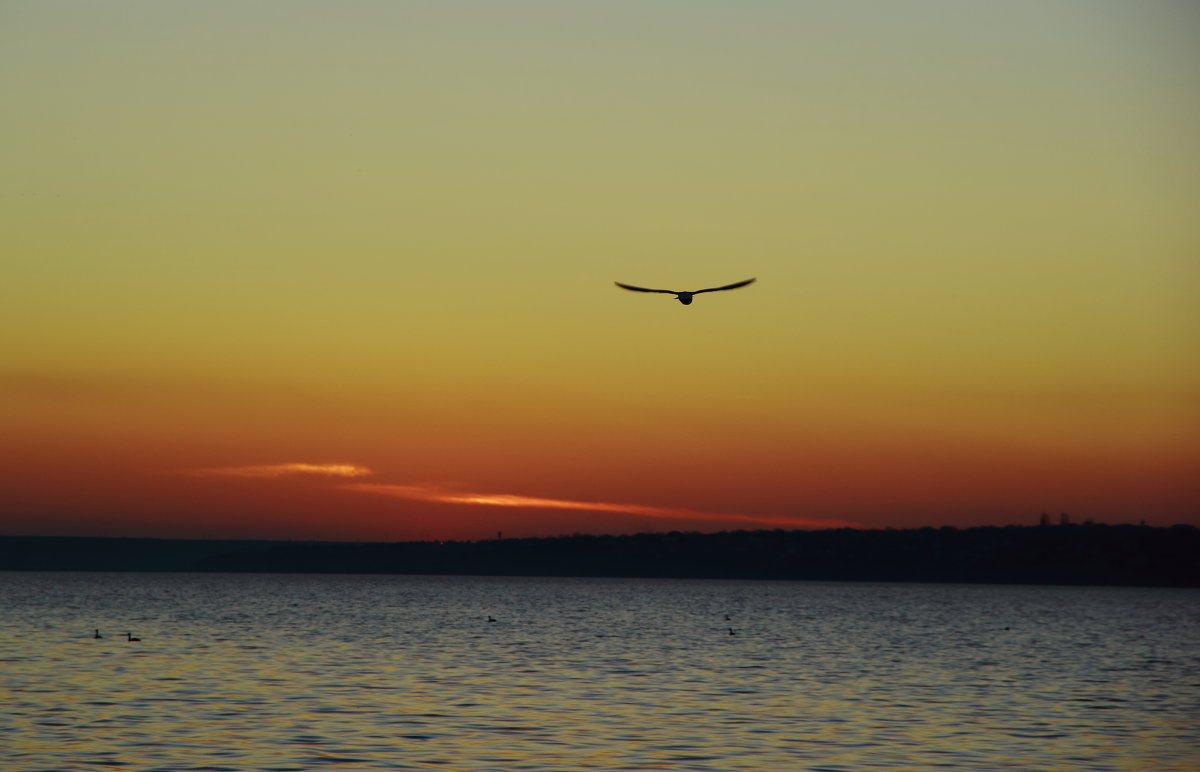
685	297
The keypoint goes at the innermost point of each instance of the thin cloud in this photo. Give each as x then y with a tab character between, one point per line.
271	471
443	496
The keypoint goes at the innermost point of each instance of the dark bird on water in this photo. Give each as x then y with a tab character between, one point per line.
129	637
97	635
685	297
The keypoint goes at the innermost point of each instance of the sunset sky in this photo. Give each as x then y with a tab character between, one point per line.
344	270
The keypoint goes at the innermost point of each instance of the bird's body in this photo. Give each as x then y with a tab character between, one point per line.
129	637
685	296
97	635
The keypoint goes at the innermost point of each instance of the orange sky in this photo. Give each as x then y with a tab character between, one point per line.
347	271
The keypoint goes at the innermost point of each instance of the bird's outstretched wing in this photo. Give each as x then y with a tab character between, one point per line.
735	285
643	289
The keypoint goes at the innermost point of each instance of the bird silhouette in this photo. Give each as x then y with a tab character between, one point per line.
685	297
97	635
129	637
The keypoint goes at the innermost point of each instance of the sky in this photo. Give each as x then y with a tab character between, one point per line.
317	270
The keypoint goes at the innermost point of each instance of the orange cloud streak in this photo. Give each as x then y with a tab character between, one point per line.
270	471
439	495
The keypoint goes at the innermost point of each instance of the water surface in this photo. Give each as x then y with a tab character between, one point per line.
293	672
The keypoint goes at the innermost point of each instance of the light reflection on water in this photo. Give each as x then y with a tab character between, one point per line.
270	672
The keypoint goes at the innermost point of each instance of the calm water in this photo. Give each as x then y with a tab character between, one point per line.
252	672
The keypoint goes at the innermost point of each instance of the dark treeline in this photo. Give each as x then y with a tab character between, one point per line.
1063	554
83	553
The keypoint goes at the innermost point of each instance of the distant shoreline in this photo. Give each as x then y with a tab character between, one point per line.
1087	554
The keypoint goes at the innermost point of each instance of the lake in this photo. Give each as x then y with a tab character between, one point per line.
357	672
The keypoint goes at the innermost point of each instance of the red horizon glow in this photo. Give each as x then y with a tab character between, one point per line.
339	501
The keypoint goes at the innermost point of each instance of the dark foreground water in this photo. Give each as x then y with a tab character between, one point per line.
288	672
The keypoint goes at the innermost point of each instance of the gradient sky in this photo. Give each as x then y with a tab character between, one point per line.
345	270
